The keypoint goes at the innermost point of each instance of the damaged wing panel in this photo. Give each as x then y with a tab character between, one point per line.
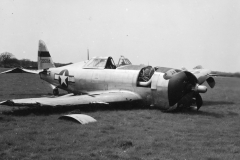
81	118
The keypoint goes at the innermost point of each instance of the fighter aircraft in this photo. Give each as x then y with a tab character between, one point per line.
100	81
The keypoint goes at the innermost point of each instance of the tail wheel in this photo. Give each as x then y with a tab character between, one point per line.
55	92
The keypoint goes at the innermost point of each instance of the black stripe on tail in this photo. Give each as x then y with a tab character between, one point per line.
43	54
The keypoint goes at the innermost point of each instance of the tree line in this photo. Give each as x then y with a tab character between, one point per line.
8	60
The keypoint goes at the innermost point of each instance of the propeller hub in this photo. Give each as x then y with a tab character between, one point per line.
200	88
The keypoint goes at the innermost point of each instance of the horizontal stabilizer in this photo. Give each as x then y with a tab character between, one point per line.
21	70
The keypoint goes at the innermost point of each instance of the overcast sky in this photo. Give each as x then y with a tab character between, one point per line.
176	33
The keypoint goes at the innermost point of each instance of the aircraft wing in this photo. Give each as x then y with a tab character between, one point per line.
101	97
21	70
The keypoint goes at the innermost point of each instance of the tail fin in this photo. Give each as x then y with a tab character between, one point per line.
44	58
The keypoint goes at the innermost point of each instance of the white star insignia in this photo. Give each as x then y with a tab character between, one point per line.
63	78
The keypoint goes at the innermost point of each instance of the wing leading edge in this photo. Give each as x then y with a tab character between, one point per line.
104	97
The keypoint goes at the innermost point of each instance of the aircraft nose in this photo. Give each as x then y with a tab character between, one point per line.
179	85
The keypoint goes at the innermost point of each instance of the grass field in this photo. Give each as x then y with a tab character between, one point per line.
212	133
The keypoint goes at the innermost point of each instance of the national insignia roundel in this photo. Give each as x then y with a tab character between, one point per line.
64	78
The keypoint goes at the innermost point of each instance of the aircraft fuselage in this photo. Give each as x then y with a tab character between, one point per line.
74	78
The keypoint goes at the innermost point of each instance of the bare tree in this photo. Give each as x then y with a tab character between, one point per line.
5	56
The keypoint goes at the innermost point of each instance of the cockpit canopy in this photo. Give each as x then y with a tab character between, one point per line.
100	63
123	61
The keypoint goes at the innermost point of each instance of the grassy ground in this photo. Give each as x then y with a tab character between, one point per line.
212	133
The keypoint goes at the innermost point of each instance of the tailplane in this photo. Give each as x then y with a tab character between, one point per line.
44	58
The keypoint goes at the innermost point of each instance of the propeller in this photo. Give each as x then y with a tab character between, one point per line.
211	82
183	87
199	101
179	86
